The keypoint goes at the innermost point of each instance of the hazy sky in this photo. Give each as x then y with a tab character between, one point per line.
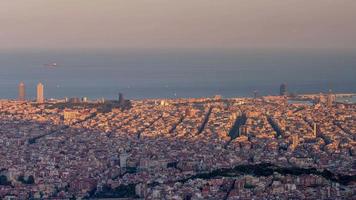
177	24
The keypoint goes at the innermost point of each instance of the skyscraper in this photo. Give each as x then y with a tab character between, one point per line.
22	92
283	90
330	99
40	95
121	99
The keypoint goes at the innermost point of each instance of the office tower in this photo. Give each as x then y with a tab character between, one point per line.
330	99
121	99
22	92
283	90
40	93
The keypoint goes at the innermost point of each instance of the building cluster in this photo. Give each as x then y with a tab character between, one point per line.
40	92
208	148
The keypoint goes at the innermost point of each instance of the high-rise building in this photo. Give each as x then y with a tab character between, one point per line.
40	93
22	92
283	89
330	99
121	99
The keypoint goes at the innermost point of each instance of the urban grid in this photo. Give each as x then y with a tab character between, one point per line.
264	147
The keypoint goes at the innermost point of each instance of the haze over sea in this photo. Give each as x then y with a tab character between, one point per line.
176	73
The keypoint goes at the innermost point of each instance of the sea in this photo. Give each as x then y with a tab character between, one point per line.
175	73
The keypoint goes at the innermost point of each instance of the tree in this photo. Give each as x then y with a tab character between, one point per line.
21	179
30	180
4	181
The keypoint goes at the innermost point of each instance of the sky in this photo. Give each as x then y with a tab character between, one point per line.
68	24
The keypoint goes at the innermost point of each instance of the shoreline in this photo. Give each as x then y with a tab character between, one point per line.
305	95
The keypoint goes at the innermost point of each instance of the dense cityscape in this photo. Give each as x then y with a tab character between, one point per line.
177	100
197	148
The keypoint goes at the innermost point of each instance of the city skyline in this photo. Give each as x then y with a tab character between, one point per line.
283	91
177	100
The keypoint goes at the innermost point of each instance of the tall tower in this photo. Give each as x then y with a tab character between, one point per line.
22	92
40	95
330	99
283	89
121	99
